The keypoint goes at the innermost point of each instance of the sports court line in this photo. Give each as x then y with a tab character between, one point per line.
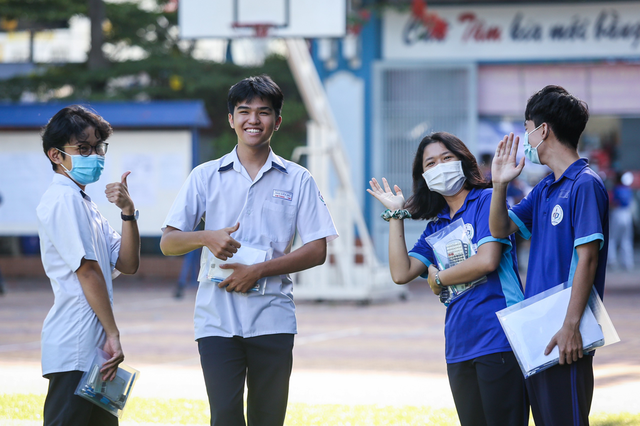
330	335
147	304
17	347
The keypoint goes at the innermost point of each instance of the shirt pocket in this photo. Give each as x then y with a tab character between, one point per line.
278	221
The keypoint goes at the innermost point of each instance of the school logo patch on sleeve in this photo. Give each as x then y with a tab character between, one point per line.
282	195
469	230
556	215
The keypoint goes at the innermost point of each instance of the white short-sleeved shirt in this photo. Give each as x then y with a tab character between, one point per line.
283	198
71	228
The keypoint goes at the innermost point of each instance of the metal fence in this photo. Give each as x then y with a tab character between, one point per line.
410	101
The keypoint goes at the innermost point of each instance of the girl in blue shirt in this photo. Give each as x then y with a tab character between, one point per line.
487	384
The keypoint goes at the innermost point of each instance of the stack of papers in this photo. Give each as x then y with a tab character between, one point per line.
531	324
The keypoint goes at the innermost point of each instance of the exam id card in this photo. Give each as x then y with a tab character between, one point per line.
245	255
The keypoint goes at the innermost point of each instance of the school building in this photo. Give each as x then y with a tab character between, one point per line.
469	67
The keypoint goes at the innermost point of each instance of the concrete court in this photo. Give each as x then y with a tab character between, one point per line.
388	353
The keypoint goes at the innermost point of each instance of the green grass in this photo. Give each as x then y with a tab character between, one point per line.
28	408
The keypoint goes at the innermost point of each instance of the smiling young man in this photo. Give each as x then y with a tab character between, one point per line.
245	322
566	216
81	254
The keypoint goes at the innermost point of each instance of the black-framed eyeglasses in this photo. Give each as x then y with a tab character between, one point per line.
85	149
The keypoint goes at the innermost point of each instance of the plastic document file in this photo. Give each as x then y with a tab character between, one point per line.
531	324
246	256
110	395
452	245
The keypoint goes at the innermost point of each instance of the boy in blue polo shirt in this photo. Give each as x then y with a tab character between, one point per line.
566	216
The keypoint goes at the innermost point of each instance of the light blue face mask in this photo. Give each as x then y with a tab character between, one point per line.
530	152
85	170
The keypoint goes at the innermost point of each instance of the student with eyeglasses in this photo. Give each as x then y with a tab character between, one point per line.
81	254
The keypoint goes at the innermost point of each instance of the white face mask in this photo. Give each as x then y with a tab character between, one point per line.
529	151
445	178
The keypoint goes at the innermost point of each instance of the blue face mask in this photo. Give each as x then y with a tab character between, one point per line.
530	152
85	170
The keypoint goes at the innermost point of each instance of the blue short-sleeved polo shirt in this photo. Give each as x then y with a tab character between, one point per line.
559	215
471	326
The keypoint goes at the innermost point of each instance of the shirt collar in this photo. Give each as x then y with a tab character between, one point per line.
472	195
228	161
61	179
231	160
574	169
276	162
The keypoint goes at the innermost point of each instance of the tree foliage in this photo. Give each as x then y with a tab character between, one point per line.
164	69
41	11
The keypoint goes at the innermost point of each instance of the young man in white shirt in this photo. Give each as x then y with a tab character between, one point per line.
245	323
81	254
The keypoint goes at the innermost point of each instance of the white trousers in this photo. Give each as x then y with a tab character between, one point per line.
621	238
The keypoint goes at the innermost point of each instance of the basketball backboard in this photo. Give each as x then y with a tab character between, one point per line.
242	18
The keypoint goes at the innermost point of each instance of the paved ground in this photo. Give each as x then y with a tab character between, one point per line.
388	353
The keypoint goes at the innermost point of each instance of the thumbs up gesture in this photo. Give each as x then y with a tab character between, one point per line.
118	194
220	242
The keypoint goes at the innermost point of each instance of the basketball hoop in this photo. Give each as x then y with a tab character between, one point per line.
260	16
259	30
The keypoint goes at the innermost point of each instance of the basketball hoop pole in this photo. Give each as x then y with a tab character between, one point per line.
342	276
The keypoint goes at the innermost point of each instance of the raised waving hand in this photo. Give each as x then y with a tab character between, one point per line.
386	196
504	167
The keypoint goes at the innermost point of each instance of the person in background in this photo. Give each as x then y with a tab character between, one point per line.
2	290
621	242
188	272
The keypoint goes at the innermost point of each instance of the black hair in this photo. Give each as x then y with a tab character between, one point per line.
564	113
72	121
261	86
426	204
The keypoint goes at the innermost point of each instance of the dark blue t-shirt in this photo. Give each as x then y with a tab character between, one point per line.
471	326
558	216
622	196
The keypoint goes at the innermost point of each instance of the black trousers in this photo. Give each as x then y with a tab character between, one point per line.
265	362
63	408
562	394
489	391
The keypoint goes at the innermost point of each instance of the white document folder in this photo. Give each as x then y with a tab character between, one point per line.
530	325
246	256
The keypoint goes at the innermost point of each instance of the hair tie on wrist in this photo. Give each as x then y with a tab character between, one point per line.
399	214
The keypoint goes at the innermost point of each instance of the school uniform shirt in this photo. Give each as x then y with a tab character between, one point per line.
471	326
71	228
558	216
283	198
